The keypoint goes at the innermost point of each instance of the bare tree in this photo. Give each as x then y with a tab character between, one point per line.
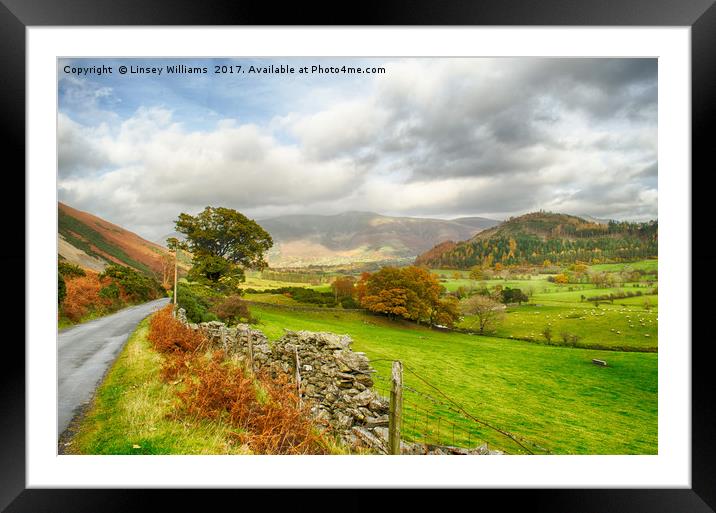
488	312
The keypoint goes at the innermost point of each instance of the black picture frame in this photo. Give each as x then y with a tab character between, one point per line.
16	15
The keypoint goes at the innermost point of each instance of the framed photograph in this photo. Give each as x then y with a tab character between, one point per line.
420	251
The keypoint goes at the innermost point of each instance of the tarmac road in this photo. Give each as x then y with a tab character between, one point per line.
85	352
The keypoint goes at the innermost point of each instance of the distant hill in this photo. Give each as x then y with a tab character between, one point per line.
302	240
539	236
91	242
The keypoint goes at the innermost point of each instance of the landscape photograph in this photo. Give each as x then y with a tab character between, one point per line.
357	256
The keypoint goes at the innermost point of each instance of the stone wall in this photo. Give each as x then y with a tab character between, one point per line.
335	380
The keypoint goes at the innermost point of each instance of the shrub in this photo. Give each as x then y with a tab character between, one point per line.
61	289
83	297
278	424
197	308
167	334
266	412
135	286
68	270
570	338
232	309
110	292
547	333
349	302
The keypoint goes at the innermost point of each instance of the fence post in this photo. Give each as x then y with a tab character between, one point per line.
396	408
250	344
298	375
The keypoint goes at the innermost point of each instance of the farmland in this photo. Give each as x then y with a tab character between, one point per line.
554	397
516	379
627	323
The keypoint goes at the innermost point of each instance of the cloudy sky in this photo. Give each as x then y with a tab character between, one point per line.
430	137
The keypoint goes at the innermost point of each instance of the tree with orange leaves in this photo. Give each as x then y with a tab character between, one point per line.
409	292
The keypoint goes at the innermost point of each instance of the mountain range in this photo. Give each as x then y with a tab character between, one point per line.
360	236
302	240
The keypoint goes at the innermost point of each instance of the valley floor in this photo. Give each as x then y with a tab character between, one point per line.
552	396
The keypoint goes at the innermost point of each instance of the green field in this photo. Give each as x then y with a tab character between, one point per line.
554	397
606	327
620	324
649	266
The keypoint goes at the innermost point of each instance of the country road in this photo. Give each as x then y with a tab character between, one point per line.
85	352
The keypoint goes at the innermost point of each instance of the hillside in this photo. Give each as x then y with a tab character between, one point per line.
360	236
539	236
91	242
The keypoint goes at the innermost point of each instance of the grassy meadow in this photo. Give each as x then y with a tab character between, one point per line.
551	396
515	379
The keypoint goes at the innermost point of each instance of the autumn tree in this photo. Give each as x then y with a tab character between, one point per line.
343	286
410	292
223	242
513	248
487	312
476	273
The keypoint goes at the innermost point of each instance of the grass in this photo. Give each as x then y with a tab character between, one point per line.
129	412
552	396
622	324
650	265
255	281
606	327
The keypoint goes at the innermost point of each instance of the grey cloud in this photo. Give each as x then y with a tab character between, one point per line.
476	125
494	136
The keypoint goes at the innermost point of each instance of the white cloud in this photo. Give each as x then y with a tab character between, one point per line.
440	137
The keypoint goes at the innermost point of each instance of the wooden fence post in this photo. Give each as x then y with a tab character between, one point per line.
298	376
251	350
396	408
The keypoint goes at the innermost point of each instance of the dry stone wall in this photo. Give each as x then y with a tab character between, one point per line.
335	380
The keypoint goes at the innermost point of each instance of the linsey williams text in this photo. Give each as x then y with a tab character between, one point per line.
177	69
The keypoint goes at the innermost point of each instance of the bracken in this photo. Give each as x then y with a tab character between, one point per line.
265	411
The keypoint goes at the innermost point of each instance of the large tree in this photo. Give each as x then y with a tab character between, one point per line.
409	292
223	242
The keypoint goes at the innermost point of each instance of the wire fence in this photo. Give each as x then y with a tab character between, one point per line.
435	418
